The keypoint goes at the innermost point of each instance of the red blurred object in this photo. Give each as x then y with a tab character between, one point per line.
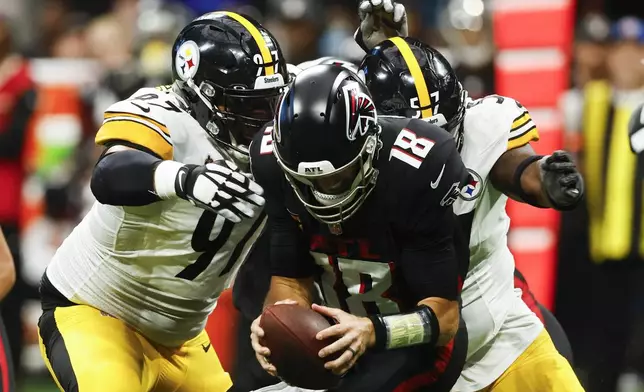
521	24
539	266
15	81
533	77
525	215
532	66
222	329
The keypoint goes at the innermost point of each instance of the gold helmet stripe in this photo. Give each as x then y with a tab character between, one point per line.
259	40
419	81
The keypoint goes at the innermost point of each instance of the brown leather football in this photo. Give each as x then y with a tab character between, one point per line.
289	332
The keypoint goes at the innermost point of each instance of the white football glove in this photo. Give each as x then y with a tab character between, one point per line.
380	20
217	187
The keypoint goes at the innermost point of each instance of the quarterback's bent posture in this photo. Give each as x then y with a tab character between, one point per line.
126	297
364	206
508	350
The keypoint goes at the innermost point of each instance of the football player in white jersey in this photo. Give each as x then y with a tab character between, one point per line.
509	350
126	297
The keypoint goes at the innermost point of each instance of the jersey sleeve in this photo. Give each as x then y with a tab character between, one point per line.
523	130
426	228
137	123
289	256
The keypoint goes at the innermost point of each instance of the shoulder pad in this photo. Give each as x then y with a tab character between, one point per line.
412	142
262	160
262	143
141	120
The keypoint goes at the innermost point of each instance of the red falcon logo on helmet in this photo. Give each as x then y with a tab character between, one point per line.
361	112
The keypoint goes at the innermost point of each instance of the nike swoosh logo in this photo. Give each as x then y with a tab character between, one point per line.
143	108
434	184
206	348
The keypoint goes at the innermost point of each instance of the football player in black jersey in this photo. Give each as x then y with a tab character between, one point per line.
363	206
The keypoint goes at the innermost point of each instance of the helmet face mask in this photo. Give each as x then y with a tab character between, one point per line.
325	140
334	195
232	73
240	111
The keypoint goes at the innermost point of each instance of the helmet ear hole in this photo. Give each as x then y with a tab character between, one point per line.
321	114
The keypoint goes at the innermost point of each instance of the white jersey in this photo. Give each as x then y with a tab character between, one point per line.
160	267
499	324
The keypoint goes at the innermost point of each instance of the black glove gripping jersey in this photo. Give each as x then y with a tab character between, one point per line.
399	247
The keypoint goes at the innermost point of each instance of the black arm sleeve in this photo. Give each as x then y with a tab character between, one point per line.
125	178
289	254
12	139
431	264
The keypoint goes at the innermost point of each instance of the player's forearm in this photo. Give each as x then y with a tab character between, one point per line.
434	322
446	312
517	173
299	290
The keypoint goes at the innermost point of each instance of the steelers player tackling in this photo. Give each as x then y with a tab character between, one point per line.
508	348
126	296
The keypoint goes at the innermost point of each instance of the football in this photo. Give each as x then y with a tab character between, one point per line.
289	332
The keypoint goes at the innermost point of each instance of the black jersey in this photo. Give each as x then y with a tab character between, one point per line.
398	248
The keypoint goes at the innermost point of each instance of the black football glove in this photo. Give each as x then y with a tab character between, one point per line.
561	181
221	189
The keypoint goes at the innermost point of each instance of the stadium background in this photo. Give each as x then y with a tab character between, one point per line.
70	59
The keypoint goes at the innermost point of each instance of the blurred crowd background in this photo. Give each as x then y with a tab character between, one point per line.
62	62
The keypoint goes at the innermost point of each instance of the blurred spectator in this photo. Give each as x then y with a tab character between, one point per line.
71	41
297	25
337	39
465	39
17	99
110	44
572	304
614	182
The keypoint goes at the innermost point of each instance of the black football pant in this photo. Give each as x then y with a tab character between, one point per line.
416	368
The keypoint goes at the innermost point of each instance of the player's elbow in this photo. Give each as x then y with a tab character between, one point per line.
125	179
99	183
447	313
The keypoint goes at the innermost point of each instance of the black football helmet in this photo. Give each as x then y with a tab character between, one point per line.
232	73
411	79
325	137
331	61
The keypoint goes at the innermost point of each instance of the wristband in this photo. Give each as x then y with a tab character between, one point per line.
406	329
166	179
518	189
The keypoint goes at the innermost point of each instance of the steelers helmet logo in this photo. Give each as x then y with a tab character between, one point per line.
472	188
187	61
